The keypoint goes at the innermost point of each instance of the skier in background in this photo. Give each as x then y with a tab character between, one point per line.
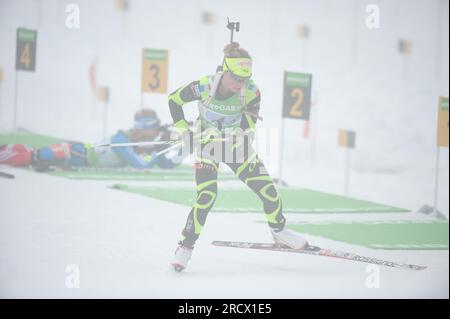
69	155
228	102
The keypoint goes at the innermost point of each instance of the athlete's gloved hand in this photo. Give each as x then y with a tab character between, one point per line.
182	126
187	136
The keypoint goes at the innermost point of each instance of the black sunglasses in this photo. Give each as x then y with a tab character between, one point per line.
238	78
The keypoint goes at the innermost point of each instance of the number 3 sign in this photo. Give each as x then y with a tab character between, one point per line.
297	95
154	71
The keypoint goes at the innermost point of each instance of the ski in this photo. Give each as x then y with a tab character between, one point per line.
6	175
314	250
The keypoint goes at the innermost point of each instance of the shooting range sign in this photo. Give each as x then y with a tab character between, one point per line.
208	17
297	95
405	47
103	94
347	139
26	50
442	134
303	31
122	5
154	70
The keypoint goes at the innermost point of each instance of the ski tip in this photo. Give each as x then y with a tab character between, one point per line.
177	267
220	243
419	267
119	186
7	175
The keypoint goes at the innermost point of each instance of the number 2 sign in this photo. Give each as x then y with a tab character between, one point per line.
297	95
154	71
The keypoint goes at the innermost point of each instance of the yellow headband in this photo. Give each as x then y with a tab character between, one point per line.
241	67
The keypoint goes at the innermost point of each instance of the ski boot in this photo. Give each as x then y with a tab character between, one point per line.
289	238
182	256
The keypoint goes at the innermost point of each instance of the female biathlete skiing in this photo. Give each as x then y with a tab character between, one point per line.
229	103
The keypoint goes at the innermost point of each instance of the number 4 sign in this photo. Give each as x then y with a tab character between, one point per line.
297	95
26	50
25	59
154	71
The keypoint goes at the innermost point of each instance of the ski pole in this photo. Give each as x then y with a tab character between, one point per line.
168	149
180	144
134	144
151	143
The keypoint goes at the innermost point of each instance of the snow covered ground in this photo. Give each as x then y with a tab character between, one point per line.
122	243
